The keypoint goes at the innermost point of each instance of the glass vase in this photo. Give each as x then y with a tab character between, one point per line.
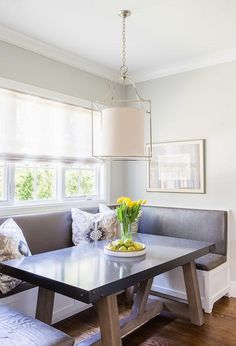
125	231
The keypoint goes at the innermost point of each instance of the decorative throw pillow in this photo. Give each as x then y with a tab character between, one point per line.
86	227
134	227
12	245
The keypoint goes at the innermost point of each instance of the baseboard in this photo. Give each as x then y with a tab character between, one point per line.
233	289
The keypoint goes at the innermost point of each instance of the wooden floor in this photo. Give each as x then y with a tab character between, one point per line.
219	328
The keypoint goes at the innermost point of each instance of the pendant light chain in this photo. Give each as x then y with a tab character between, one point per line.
123	68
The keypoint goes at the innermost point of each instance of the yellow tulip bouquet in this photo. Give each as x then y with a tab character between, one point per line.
127	213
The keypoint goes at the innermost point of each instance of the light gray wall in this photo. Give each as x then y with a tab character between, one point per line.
194	105
27	67
24	66
118	180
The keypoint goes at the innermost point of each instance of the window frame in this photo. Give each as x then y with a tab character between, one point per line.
5	182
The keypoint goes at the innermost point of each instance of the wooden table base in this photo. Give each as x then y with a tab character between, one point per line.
45	304
108	316
190	308
144	309
193	294
112	331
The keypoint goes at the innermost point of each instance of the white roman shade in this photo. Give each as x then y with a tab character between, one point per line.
35	127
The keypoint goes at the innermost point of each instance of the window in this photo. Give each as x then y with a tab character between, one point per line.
80	182
34	182
38	137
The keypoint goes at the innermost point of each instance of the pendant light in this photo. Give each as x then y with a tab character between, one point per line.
122	127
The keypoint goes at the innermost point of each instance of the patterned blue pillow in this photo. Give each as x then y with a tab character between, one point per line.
87	228
12	245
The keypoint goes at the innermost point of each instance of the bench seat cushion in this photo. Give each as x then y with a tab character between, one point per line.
17	329
210	261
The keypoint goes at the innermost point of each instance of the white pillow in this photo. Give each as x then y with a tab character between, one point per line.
103	208
86	227
12	245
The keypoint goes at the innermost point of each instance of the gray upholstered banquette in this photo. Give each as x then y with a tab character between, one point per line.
47	231
195	224
52	231
44	232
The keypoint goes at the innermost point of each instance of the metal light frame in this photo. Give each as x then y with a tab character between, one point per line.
109	100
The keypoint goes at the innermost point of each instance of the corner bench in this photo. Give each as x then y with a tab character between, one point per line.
44	232
194	224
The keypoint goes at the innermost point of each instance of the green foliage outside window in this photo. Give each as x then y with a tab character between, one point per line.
24	184
72	183
45	184
33	183
87	182
80	182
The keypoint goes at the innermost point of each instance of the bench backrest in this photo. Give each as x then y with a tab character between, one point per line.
47	231
52	231
195	224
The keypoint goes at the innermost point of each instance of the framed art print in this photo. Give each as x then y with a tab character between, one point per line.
177	167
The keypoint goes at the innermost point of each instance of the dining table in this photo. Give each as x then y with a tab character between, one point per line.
86	273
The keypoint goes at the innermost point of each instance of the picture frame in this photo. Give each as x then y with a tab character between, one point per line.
177	166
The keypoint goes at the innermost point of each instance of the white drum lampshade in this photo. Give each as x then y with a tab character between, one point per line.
123	132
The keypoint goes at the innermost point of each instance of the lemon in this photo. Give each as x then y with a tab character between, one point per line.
122	248
114	247
128	242
131	248
118	243
138	246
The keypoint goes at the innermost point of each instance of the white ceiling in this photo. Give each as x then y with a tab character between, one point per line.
163	36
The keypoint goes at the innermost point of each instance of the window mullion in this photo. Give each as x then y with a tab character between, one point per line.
11	182
79	182
60	182
5	181
97	179
35	184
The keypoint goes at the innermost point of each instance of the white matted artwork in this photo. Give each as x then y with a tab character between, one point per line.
177	167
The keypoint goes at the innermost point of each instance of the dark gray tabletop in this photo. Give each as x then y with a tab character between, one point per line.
85	273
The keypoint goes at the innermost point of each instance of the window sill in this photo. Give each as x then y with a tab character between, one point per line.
47	207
